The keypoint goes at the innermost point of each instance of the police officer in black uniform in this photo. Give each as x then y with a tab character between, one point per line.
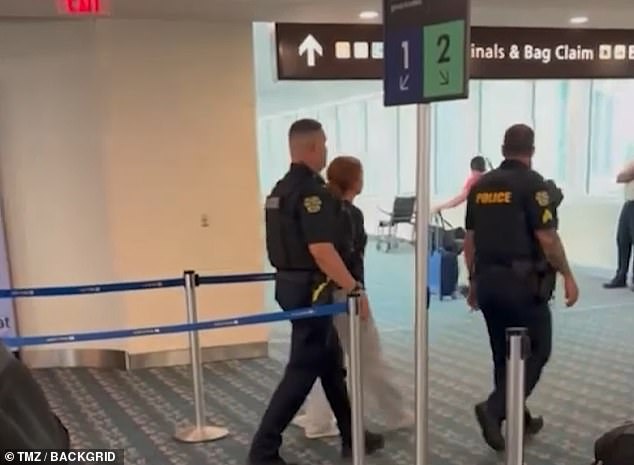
302	221
513	251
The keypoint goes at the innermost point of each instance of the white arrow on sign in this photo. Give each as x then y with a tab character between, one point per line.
403	82
310	47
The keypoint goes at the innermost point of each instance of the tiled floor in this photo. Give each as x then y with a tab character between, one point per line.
586	388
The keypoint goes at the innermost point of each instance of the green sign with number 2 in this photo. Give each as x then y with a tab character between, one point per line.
444	59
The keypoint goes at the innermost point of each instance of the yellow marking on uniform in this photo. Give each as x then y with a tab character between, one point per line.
312	204
318	290
547	216
493	198
542	198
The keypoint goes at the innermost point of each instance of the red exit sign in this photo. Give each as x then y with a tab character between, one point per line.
83	7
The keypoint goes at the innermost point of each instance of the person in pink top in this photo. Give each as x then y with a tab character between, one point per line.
478	168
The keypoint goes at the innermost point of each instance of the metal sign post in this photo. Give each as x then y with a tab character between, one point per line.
422	330
199	432
426	55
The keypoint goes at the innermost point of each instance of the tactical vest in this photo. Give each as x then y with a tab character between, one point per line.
284	240
285	243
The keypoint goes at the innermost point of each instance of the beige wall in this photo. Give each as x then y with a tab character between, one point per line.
115	138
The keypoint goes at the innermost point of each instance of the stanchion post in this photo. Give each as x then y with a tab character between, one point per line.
517	352
356	387
199	432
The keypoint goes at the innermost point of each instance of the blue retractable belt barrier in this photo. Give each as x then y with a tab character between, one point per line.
131	286
91	289
236	278
312	312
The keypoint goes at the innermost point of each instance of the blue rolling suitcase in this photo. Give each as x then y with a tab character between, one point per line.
442	269
443	273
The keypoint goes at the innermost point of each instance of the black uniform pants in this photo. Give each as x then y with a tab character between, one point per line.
508	301
315	353
625	239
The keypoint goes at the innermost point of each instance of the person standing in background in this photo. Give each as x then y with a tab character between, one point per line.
345	181
625	229
478	168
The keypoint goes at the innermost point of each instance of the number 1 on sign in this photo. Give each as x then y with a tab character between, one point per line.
405	45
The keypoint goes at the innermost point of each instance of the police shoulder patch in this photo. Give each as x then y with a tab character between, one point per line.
312	204
542	198
547	216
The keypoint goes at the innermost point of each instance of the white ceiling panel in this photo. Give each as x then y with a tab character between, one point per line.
607	13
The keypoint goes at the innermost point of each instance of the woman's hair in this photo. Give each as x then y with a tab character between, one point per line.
342	174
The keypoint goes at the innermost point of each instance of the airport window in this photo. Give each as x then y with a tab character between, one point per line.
456	140
502	104
561	112
327	116
582	126
351	129
381	160
611	138
407	149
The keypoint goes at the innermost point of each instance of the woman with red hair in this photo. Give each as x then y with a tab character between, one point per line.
345	181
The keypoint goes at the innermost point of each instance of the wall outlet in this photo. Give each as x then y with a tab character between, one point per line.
204	221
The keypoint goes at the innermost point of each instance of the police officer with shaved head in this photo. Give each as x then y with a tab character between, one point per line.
307	247
512	251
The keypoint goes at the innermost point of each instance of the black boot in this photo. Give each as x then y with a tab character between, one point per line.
532	425
491	427
617	283
373	442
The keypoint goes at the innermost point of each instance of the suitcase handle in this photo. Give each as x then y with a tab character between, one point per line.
441	221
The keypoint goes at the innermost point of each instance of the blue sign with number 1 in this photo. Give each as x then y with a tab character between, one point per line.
403	66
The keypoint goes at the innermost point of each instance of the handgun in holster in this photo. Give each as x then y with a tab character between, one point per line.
540	277
547	279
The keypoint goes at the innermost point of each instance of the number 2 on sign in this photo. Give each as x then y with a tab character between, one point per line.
443	44
405	45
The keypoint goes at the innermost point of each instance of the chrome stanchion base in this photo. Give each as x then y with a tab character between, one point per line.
203	434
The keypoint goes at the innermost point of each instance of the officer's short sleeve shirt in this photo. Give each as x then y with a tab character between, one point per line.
317	213
538	205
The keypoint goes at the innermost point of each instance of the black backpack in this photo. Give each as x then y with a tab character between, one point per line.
26	419
616	447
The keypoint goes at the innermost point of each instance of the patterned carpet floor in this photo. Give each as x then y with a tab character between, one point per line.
586	389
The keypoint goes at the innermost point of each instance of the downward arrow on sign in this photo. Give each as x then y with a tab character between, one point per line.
403	82
444	78
310	47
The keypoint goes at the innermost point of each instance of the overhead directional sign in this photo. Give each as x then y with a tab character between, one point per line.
426	46
355	51
328	51
542	53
